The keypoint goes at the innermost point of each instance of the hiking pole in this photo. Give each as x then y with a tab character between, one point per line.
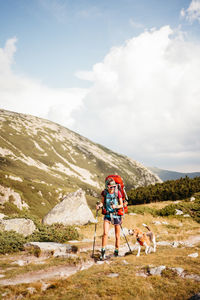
95	230
125	238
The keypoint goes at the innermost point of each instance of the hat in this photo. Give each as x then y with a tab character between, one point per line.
110	181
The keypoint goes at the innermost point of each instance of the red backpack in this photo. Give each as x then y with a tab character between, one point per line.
120	187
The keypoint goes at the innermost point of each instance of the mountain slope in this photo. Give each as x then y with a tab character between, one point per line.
41	161
171	175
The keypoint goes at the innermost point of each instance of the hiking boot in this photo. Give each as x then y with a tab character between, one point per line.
103	256
116	252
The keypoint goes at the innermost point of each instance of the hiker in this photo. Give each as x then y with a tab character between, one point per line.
110	204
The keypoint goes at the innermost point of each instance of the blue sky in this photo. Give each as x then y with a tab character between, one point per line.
79	62
57	38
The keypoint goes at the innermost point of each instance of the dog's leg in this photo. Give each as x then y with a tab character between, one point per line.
139	248
146	248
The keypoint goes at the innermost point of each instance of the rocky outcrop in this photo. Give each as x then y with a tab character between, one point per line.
7	194
23	226
73	210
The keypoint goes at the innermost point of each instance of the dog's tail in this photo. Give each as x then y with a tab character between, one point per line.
146	226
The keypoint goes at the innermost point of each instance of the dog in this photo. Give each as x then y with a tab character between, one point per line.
144	239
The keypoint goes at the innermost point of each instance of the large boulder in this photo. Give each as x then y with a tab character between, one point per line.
73	210
21	225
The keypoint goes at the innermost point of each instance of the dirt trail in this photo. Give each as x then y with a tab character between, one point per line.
63	271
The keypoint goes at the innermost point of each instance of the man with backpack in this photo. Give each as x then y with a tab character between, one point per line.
111	203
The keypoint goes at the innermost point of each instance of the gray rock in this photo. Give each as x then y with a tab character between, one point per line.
5	195
31	290
178	270
56	249
87	241
113	275
193	276
141	273
194	255
20	262
2	216
192	199
21	225
165	223
175	244
73	210
178	212
156	270
100	262
125	262
156	222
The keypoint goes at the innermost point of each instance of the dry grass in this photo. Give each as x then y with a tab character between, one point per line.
94	283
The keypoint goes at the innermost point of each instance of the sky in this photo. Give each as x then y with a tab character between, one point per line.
123	73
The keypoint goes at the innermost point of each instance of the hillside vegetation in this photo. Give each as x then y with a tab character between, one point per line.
170	190
40	162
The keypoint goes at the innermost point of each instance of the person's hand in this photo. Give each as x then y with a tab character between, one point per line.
98	206
114	206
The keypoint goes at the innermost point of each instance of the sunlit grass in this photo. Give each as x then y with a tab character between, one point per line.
94	283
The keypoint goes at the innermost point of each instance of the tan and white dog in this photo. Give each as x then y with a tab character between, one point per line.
144	239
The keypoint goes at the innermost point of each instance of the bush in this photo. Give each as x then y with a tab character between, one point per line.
10	241
168	210
54	233
191	208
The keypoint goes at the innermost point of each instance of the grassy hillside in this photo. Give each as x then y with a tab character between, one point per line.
41	161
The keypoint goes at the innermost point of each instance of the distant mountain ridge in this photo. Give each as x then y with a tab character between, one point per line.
172	175
41	161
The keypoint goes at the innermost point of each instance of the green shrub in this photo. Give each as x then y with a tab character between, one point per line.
168	210
191	208
54	233
10	241
10	208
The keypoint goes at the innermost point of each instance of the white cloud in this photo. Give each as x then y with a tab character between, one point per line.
26	95
192	13
145	100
